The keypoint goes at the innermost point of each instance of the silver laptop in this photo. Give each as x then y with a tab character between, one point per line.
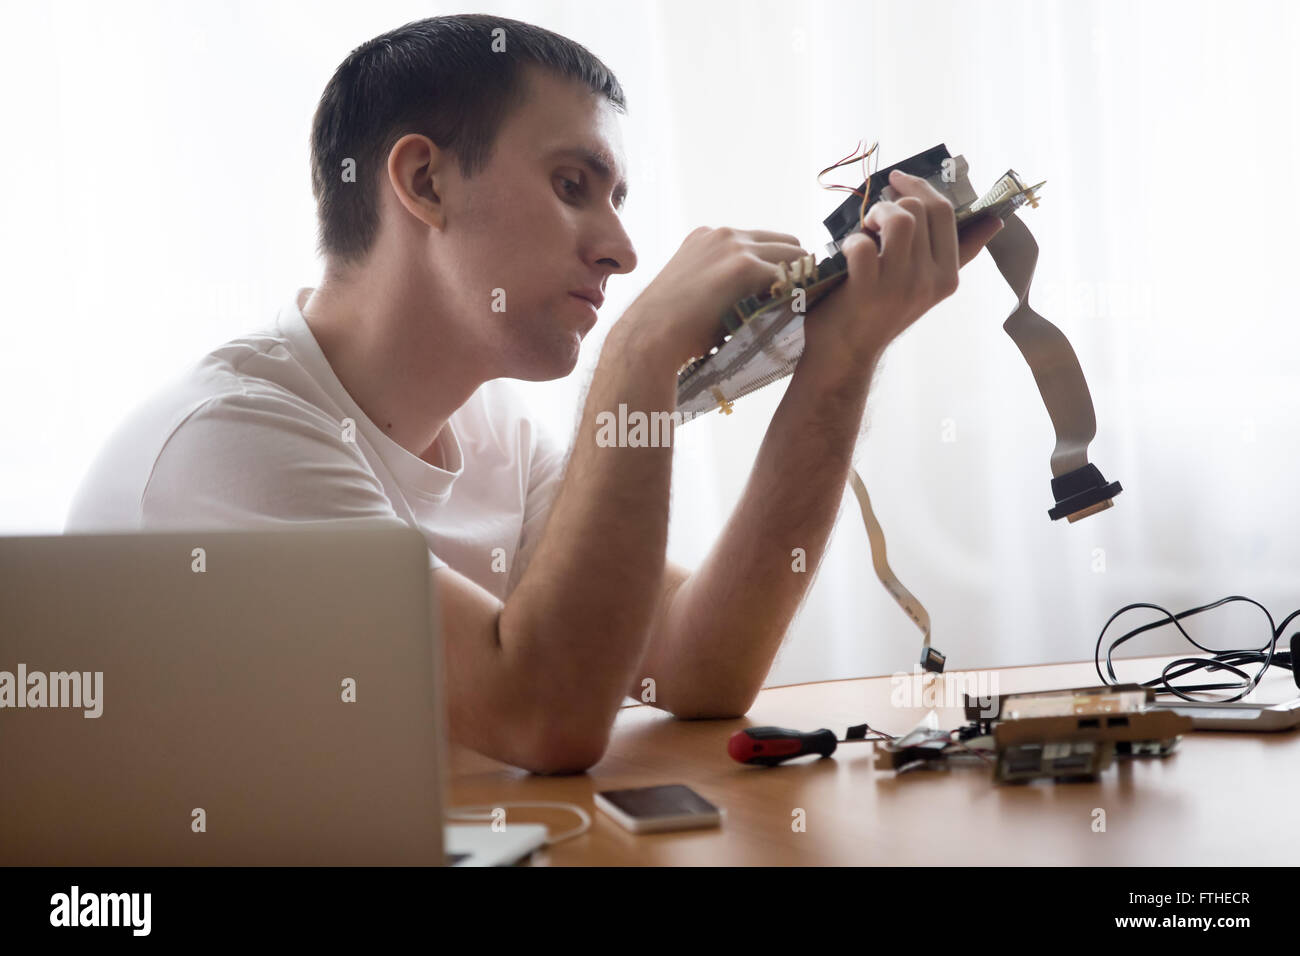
227	698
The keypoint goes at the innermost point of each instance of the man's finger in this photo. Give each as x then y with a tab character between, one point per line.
895	226
863	259
905	184
765	235
943	233
942	229
777	251
921	251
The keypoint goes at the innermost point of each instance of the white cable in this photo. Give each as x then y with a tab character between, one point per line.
876	536
463	814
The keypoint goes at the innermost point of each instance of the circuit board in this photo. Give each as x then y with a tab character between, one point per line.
760	339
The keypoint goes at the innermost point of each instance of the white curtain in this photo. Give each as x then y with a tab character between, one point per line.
158	202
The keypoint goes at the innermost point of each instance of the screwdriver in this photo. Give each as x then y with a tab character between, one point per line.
770	746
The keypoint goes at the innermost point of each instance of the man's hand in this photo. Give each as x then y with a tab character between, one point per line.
677	315
890	287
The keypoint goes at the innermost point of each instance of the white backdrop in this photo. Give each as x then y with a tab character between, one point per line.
157	202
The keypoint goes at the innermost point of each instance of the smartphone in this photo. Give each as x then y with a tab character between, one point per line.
657	809
1237	716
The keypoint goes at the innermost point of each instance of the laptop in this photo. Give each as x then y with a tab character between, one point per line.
227	698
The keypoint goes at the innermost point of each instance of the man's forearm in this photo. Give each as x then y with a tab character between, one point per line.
581	613
724	625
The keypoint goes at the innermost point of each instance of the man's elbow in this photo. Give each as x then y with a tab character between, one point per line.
563	749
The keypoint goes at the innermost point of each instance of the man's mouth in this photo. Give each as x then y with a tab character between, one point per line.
594	296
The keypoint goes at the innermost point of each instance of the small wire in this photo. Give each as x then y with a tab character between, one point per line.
880	734
852	157
977	751
464	814
1227	660
866	186
865	192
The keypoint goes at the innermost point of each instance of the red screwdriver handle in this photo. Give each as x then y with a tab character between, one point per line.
770	746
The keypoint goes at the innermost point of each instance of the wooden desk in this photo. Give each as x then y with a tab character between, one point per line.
1220	799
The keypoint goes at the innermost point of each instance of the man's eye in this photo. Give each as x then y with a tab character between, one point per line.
570	187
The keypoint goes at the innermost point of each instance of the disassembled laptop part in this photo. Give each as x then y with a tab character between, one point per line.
1059	735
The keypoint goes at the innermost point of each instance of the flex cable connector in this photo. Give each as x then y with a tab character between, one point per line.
1079	488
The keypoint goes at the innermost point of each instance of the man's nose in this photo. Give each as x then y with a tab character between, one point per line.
616	253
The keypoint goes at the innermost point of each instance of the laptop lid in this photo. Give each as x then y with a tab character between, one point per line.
219	697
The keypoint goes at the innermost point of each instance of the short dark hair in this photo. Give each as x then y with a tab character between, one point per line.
439	77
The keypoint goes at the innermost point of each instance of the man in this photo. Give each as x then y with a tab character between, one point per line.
468	173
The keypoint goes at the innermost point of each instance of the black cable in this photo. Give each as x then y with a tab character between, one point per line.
1229	660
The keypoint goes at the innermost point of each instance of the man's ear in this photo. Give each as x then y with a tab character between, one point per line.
416	167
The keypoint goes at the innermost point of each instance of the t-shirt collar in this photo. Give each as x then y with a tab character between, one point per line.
412	472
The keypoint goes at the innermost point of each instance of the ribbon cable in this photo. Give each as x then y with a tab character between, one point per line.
906	600
1050	356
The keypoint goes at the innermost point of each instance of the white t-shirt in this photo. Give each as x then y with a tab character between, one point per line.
255	434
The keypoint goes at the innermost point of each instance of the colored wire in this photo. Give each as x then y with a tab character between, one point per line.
868	729
866	186
853	157
977	751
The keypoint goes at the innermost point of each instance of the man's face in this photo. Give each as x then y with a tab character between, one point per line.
538	224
